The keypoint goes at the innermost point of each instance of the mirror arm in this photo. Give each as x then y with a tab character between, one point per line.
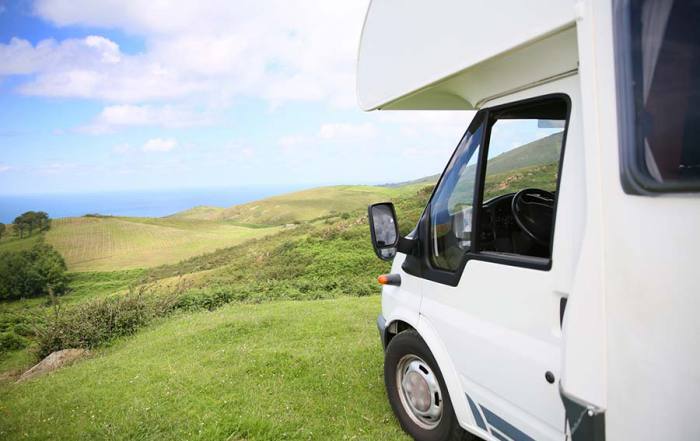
407	246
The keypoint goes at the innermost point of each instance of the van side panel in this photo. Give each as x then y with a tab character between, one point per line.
650	249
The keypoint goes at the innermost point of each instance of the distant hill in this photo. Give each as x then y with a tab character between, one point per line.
117	243
432	179
543	151
530	165
108	243
200	212
300	206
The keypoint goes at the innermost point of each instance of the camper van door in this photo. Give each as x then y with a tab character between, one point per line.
498	317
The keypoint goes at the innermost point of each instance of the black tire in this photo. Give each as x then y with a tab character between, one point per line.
409	343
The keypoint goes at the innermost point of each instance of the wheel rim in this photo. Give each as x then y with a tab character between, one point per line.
419	391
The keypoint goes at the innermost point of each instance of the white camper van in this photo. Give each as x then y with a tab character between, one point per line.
551	288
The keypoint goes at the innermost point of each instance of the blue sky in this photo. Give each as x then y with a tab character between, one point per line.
127	95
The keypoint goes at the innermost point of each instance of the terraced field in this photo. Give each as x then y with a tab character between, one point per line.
117	243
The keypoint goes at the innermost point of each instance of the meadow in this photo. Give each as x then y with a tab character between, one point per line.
232	324
249	348
281	370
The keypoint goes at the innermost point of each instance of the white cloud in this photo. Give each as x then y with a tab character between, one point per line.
19	56
129	115
4	167
159	145
346	132
329	132
446	124
211	50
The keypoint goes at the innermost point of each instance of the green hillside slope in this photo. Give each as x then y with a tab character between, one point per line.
542	151
300	206
284	370
117	243
532	165
200	212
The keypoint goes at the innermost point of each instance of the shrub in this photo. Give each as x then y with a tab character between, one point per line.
23	329
9	341
94	322
35	272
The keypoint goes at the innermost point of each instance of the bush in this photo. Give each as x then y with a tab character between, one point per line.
9	341
99	321
23	329
35	272
92	323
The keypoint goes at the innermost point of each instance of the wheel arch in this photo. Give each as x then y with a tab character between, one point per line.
393	328
450	376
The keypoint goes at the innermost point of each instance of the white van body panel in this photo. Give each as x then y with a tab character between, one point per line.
650	295
447	367
441	35
402	303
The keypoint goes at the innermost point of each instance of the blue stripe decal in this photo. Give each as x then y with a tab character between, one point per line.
477	414
498	435
503	426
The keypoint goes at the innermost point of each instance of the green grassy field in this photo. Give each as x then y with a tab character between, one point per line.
12	243
301	206
327	258
283	370
271	335
118	243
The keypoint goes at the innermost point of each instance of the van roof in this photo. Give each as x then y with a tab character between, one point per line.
454	54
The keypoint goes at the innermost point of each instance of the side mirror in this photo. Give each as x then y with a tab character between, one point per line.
384	229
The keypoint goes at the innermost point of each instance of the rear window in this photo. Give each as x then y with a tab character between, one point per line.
658	56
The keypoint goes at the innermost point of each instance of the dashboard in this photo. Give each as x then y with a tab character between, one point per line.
501	233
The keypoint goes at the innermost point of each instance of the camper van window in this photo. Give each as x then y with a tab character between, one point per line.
659	57
451	205
524	150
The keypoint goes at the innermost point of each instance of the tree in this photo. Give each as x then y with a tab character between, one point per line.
20	225
2	229
44	222
32	220
34	272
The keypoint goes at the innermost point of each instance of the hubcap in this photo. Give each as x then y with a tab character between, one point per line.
419	391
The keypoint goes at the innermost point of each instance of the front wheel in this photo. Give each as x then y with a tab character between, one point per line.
417	391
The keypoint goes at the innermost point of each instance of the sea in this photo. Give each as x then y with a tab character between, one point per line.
145	203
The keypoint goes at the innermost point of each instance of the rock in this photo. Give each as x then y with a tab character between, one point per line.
53	361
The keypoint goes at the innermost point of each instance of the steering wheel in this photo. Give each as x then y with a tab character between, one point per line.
533	210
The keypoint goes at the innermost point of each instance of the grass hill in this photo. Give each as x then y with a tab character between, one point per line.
542	151
307	205
195	374
232	326
428	180
110	243
117	243
276	371
532	165
299	206
200	212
